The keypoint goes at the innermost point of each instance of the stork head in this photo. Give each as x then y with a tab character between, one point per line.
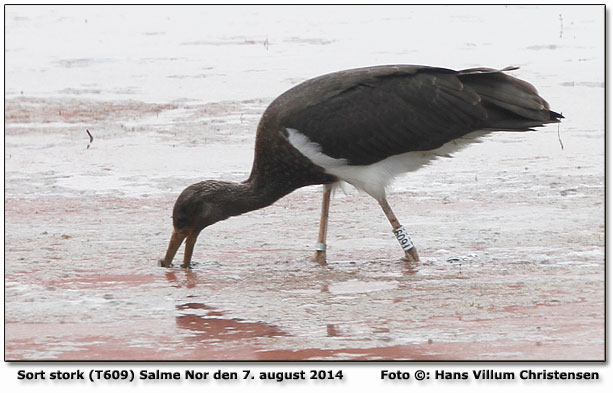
199	205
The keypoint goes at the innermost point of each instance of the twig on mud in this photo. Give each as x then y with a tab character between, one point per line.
91	138
560	139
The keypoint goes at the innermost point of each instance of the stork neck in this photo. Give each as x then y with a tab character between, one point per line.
248	196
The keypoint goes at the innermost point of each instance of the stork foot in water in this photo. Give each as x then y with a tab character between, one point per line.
412	255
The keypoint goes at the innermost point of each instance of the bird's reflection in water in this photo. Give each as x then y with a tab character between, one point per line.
332	331
206	323
410	268
184	278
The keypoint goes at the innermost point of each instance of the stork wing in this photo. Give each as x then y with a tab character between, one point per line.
366	115
388	114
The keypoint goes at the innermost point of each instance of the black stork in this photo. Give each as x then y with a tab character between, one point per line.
363	126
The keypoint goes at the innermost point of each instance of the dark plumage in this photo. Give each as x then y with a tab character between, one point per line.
342	125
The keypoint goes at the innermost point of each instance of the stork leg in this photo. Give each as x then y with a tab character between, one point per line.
320	248
189	250
403	237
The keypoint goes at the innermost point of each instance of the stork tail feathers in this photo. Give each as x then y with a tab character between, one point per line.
512	104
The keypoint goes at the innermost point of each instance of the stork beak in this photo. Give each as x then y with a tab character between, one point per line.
175	242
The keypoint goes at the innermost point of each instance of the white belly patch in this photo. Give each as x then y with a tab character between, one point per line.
375	178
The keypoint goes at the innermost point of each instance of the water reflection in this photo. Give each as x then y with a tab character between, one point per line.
212	325
187	279
332	330
410	268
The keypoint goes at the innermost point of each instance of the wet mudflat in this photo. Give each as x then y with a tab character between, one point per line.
510	231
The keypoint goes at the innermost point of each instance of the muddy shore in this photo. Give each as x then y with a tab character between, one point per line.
510	230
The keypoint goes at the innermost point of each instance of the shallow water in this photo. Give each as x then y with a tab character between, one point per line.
511	230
